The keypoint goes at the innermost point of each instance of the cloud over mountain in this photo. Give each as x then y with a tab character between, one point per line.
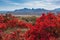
18	4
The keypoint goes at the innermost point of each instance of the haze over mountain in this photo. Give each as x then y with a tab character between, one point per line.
32	11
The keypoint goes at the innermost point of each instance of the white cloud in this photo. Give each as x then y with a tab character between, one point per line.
40	4
46	4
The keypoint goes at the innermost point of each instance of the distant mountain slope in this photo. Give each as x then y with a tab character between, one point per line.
31	11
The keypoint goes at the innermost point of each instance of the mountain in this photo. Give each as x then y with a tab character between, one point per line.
32	11
56	10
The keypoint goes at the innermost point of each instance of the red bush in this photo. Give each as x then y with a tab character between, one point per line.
46	26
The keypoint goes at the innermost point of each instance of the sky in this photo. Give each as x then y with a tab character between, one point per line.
9	5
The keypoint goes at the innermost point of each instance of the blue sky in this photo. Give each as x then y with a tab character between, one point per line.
10	5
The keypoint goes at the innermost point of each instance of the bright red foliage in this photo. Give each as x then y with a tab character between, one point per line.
45	28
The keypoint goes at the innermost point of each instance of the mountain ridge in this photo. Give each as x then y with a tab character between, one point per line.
32	11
